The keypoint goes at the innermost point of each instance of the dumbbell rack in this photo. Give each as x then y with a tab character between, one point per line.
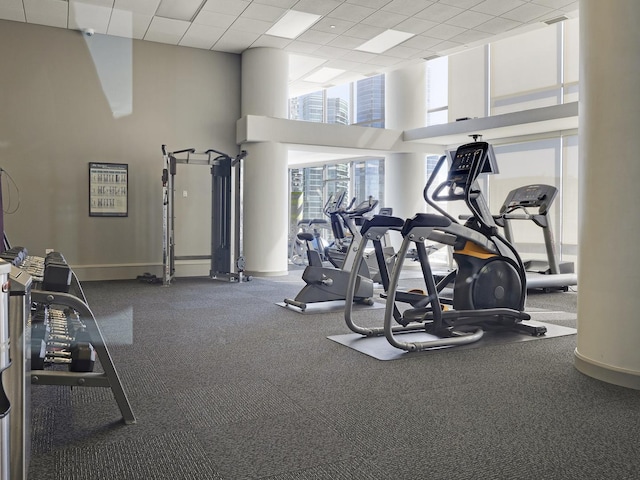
109	378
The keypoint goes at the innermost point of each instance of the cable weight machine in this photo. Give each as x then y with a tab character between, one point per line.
227	261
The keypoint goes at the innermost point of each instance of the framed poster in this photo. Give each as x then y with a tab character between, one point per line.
108	189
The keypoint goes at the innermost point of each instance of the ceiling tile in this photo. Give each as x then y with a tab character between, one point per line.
166	30
318	8
498	25
384	19
356	56
415	25
444	32
370	3
346	41
329	52
235	41
54	13
470	36
250	25
443	47
332	25
278	3
439	12
12	10
97	3
401	51
213	19
384	61
225	6
496	7
407	7
271	42
263	12
421	42
364	32
201	36
553	3
316	36
464	4
299	46
352	13
527	12
147	7
124	23
469	19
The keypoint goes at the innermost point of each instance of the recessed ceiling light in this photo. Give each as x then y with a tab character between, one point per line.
384	41
292	24
323	75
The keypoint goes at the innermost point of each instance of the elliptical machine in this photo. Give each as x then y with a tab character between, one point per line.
489	285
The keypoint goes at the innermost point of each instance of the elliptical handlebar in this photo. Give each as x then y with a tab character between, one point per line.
431	199
333	203
363	207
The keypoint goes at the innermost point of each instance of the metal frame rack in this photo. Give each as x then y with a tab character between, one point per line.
226	257
109	377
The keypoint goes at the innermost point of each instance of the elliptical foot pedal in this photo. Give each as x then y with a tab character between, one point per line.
533	330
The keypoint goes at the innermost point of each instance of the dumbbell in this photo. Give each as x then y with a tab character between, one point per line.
78	352
81	358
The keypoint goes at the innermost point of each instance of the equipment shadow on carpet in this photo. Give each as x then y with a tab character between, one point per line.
381	349
328	307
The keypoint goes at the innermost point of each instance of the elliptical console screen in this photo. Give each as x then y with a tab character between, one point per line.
465	159
468	156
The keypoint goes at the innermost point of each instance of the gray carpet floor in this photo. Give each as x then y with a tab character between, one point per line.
225	384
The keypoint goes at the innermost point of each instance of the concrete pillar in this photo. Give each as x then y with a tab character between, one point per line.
609	266
405	108
265	73
266	227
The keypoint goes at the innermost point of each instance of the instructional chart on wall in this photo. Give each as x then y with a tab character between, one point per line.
108	192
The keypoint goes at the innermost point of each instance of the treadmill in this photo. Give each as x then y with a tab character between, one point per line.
551	275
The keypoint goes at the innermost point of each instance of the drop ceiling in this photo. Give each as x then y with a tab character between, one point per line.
437	27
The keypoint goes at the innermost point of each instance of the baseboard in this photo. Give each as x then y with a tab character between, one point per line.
606	373
186	268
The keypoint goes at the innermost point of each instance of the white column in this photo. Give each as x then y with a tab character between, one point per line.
265	77
265	209
405	108
609	265
265	73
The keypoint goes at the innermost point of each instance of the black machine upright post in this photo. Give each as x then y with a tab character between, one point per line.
221	226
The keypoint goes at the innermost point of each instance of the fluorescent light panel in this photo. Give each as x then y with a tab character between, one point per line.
324	75
384	41
179	9
292	24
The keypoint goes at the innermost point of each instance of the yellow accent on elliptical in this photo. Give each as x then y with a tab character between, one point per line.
474	250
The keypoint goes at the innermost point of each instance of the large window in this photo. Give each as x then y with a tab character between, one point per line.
360	103
368	180
311	187
369	102
438	91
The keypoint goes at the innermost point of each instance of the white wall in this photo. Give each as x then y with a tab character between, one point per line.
58	115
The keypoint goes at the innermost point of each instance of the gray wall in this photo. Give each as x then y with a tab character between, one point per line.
66	100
